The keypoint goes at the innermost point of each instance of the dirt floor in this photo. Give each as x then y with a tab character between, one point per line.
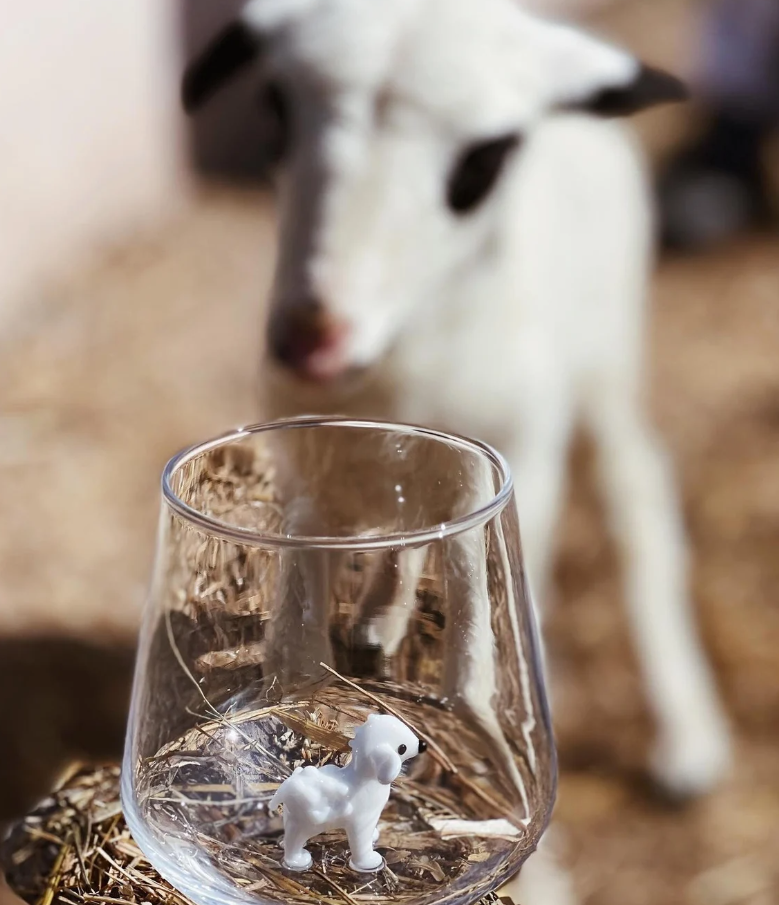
156	348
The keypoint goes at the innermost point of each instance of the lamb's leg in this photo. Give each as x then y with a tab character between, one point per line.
539	465
693	748
470	664
390	599
471	684
299	636
296	857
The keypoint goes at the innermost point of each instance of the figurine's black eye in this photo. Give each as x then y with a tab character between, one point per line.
402	749
476	172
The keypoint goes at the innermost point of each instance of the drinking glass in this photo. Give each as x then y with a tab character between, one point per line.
309	573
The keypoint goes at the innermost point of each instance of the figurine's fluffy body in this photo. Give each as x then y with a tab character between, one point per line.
319	799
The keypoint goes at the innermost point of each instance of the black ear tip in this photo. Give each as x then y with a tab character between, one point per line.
648	88
232	50
190	94
195	88
659	86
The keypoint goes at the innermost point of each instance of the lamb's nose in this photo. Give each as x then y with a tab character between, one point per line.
297	332
422	746
306	339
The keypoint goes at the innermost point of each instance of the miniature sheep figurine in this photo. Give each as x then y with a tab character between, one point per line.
319	799
459	222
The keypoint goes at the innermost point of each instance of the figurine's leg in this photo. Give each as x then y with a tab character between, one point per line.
295	855
375	835
364	859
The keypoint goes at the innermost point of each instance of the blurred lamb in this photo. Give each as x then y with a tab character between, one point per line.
465	243
352	797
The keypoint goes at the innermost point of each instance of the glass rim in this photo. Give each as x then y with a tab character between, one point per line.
216	527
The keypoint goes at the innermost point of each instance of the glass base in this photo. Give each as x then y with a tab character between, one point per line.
204	822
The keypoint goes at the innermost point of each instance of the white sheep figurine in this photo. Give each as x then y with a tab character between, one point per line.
319	799
466	242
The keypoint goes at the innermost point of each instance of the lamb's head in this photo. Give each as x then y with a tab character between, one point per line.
403	122
382	745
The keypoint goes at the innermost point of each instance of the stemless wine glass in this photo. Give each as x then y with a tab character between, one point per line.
309	573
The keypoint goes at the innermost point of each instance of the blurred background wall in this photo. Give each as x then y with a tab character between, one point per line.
90	143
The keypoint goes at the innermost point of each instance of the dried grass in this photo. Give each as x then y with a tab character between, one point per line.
76	848
438	832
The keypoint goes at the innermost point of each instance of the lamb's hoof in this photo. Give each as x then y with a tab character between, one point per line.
689	764
370	864
299	862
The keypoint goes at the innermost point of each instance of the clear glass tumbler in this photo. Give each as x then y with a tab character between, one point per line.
309	573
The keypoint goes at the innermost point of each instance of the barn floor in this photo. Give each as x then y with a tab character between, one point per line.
155	348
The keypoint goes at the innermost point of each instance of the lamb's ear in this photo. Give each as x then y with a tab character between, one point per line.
591	75
232	50
649	87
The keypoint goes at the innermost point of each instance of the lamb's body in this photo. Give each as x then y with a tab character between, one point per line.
546	334
548	326
545	330
511	317
556	305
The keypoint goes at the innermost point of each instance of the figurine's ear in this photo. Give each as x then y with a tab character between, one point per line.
386	763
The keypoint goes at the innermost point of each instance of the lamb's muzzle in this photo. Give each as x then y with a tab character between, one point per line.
305	339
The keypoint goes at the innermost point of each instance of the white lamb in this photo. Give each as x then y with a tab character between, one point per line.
464	244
